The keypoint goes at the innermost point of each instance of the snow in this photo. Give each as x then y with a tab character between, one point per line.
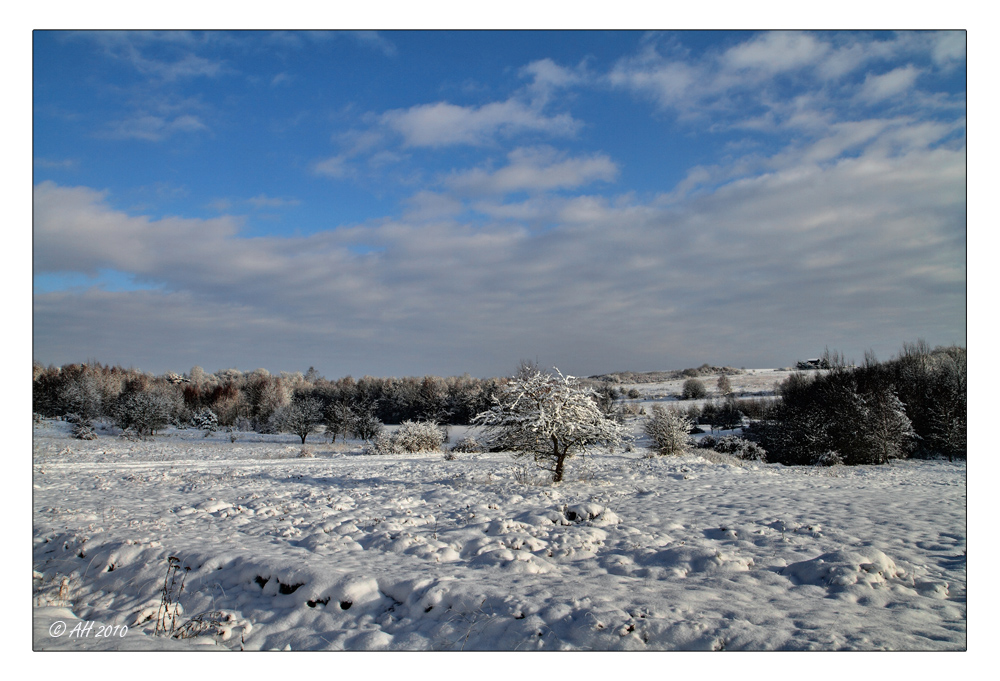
344	551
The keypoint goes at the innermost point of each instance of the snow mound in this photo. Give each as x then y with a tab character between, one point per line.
676	562
838	569
681	561
213	506
595	514
512	561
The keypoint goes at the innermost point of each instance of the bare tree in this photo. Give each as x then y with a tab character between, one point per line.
301	417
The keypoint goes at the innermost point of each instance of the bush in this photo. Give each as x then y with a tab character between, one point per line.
729	416
707	442
668	429
741	448
468	445
84	430
693	389
724	386
412	436
419	436
630	409
829	459
853	412
206	420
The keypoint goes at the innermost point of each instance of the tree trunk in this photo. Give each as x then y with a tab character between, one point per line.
303	436
557	475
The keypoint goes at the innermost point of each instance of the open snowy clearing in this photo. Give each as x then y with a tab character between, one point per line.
345	551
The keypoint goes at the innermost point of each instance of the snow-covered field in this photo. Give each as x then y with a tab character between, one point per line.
345	551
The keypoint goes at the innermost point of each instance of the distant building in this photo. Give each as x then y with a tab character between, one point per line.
817	363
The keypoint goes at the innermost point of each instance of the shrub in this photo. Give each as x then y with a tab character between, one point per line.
630	409
468	445
693	389
84	430
724	386
668	429
411	436
741	448
419	436
729	416
829	459
206	420
854	412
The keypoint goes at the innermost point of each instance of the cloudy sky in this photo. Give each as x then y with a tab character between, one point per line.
409	203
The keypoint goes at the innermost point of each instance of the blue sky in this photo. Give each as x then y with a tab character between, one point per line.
414	202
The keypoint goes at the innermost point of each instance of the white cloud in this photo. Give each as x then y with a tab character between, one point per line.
788	259
444	124
549	78
776	52
130	47
264	201
670	82
154	128
741	87
949	47
335	166
60	164
376	40
877	88
535	169
427	205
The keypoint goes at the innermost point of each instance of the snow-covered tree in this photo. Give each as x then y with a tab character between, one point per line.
366	424
724	386
206	420
301	417
264	395
81	395
338	417
143	412
549	416
668	429
693	389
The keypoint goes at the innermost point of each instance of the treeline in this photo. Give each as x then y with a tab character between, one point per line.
911	406
256	400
